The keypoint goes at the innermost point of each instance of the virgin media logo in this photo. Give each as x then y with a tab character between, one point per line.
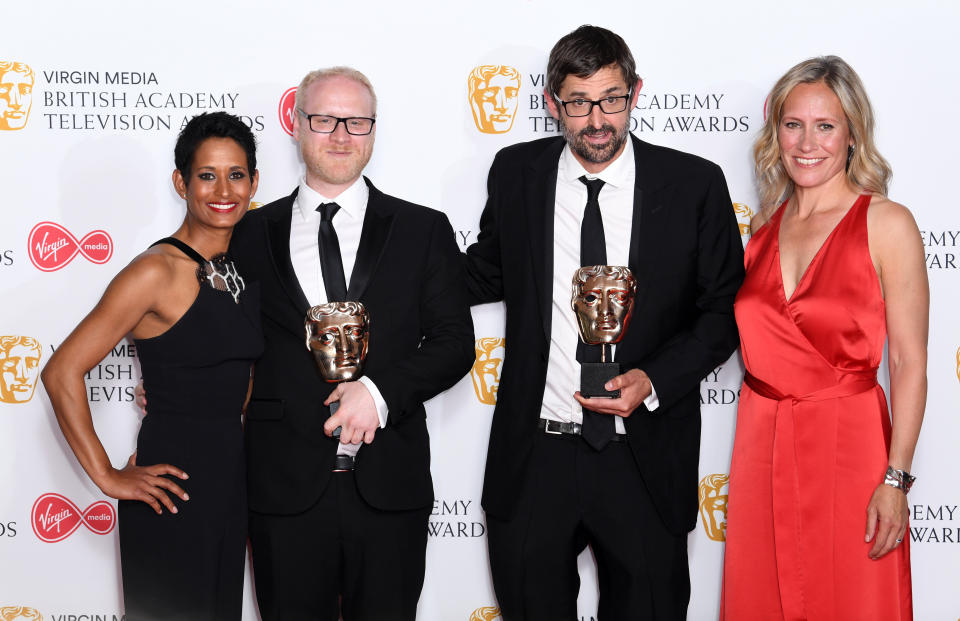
51	246
286	109
54	517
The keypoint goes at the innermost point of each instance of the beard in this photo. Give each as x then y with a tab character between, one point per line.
595	154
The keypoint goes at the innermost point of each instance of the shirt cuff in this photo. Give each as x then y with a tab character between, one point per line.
378	400
652	401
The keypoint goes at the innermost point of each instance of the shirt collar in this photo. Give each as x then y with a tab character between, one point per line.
618	173
352	201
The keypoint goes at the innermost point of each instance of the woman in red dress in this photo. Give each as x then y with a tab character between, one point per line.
817	514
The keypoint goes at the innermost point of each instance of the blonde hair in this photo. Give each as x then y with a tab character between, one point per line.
330	72
866	168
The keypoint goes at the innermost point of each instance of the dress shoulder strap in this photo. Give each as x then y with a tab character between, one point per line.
187	250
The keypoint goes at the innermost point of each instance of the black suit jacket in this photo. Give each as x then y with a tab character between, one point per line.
686	254
408	275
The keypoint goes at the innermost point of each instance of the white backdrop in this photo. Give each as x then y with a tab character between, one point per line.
114	81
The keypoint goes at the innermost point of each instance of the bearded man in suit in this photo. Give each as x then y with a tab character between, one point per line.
618	474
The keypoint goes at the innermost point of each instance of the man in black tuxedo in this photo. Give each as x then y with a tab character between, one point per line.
618	474
346	519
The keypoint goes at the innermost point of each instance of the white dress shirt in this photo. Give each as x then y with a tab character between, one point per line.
305	256
616	208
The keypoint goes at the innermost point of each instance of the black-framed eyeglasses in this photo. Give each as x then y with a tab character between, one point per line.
326	124
611	104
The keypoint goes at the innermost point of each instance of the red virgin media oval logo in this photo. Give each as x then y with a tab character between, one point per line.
286	109
54	517
51	246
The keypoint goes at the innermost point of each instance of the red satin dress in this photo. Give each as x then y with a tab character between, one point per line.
812	439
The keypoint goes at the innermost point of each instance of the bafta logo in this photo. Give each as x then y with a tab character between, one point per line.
16	94
494	92
485	613
713	505
743	213
486	369
19	368
19	613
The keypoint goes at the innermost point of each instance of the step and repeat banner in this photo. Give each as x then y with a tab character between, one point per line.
92	96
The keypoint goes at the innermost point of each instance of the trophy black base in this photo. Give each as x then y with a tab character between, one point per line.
333	409
593	375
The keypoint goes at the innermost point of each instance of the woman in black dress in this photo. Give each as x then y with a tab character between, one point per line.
182	509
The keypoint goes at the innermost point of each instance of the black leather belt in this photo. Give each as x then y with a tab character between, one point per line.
343	463
570	429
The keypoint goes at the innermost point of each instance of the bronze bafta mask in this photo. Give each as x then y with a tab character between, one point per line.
338	335
603	302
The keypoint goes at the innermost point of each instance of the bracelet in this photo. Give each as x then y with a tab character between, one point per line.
900	479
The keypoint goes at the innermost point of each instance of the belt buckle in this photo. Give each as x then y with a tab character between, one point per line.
350	461
546	428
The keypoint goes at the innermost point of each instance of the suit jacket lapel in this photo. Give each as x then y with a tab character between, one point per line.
278	247
373	239
540	195
643	240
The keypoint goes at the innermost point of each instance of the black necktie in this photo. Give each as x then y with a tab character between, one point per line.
593	244
331	264
598	429
593	251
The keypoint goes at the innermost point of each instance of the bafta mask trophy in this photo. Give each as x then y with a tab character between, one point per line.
338	334
603	303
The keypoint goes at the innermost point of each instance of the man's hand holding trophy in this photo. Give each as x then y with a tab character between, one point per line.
338	335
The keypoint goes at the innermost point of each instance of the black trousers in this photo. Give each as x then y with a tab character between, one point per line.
574	496
341	556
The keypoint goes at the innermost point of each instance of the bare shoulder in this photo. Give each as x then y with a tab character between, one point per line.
149	269
152	272
890	223
893	237
761	218
886	212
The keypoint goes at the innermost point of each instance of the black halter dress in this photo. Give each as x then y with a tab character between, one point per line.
189	565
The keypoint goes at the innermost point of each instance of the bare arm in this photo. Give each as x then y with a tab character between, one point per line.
129	298
897	250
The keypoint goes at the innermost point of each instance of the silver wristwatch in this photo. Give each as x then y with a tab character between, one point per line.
900	479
